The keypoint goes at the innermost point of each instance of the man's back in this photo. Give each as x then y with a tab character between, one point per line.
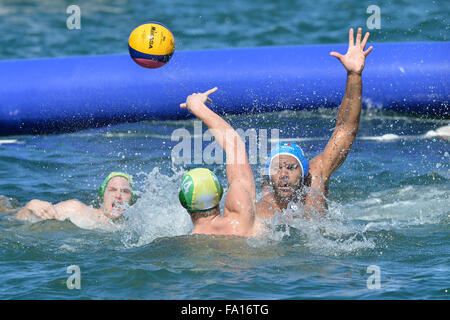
228	226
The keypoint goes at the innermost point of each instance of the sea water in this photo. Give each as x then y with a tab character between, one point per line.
386	235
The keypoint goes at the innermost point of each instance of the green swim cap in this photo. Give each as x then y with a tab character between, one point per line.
200	190
101	190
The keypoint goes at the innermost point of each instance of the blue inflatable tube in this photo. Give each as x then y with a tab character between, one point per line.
72	93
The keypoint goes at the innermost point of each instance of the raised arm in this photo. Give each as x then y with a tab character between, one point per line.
347	123
325	164
36	210
241	192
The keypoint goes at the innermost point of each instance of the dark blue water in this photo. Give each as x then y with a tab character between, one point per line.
389	200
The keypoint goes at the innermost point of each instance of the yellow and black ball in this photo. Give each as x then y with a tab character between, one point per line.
151	45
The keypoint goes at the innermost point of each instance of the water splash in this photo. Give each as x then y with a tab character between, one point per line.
333	235
403	207
156	214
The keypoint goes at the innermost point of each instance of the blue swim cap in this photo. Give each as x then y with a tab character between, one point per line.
291	149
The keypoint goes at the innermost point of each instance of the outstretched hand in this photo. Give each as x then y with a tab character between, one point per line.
198	98
40	209
355	57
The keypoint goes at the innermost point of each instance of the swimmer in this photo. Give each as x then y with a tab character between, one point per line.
115	193
288	168
201	191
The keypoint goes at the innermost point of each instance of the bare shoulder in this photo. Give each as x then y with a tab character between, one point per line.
71	206
75	203
240	203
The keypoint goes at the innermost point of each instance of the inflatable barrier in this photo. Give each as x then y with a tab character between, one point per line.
73	93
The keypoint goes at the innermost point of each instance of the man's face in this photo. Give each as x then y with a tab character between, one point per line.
117	194
286	175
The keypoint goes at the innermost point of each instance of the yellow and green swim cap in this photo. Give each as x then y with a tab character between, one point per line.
101	190
200	190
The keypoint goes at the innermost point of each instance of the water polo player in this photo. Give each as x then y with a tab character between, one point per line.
115	194
288	170
201	191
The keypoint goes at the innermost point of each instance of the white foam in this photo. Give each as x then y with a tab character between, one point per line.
335	235
9	141
400	207
67	247
442	132
345	229
157	213
385	137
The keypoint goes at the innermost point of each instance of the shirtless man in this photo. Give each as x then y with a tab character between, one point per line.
116	192
201	191
290	171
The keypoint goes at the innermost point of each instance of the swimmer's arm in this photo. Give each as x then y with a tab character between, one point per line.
78	213
241	192
69	208
347	123
315	200
43	210
37	210
224	134
347	126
